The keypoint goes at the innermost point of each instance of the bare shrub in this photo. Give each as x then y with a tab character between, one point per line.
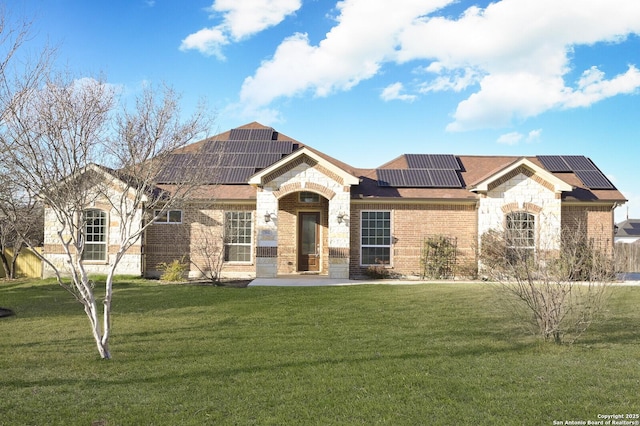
439	255
563	290
207	250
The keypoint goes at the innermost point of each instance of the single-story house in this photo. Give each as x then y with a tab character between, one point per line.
282	207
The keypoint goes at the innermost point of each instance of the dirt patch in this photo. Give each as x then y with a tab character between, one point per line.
235	283
224	283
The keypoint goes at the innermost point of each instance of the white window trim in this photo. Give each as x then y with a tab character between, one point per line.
390	246
534	247
162	217
251	243
106	239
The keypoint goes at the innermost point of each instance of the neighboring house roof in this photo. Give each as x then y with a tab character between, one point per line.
248	153
630	228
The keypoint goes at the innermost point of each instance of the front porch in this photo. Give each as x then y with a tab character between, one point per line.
302	217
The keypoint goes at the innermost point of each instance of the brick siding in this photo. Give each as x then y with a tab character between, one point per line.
411	224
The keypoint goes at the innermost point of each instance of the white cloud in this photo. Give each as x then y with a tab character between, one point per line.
394	92
209	41
514	55
364	38
592	87
520	52
534	135
515	138
457	80
510	138
241	19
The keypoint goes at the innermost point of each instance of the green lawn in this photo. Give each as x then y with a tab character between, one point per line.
372	354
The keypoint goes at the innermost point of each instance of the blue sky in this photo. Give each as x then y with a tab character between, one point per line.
368	80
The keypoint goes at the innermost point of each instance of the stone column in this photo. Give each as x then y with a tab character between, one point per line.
339	228
267	235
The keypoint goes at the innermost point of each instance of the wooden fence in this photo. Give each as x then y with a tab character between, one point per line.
627	257
27	266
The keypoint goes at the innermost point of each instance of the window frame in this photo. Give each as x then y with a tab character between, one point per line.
89	237
164	217
314	197
521	243
388	246
248	233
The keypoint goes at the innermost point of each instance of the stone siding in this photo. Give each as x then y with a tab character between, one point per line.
130	264
280	196
523	192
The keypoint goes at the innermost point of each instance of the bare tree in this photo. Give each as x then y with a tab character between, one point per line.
20	225
67	146
562	291
55	141
20	75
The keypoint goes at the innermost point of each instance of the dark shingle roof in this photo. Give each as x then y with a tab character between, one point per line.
628	228
241	152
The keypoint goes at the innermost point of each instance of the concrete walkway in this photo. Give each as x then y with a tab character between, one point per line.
298	280
320	280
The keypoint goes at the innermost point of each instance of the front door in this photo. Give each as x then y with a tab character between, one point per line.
309	241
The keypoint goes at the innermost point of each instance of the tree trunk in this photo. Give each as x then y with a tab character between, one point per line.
92	313
14	262
5	264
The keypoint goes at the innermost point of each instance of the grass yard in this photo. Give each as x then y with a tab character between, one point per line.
436	354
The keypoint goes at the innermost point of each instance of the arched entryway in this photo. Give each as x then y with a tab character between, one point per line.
306	205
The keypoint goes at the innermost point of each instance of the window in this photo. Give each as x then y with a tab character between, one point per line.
309	197
95	234
375	234
169	216
238	237
521	235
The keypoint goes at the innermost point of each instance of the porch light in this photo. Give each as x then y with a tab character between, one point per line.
340	217
267	217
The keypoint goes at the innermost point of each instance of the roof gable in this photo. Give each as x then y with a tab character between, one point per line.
521	165
266	174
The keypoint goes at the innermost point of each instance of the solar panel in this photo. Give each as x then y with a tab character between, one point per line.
225	146
432	161
261	135
554	163
579	162
238	146
594	179
208	159
586	171
265	160
212	146
445	178
418	161
443	162
390	177
281	147
231	175
239	134
424	171
239	160
416	178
